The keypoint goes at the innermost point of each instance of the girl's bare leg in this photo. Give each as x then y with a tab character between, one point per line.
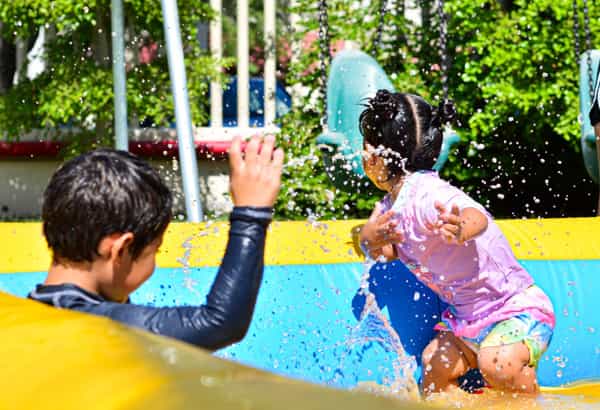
507	368
444	360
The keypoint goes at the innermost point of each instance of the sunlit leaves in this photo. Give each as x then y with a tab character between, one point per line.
76	89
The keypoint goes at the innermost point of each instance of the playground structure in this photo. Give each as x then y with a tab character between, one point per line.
352	78
244	106
341	141
249	106
588	73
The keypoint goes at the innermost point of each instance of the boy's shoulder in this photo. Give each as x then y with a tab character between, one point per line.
66	296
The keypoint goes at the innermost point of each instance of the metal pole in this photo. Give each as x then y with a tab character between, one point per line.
187	149
270	62
295	27
20	58
119	83
243	82
216	49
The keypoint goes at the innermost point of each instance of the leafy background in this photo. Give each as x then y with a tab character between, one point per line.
514	78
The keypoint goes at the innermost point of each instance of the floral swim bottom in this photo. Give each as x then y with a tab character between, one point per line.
521	328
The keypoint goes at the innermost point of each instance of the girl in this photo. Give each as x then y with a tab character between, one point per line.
498	320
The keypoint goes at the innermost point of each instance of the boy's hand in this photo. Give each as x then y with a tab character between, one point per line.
380	231
255	175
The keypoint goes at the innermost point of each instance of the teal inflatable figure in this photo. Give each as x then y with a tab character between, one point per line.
353	77
588	138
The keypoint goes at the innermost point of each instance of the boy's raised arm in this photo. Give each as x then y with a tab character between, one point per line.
255	182
226	316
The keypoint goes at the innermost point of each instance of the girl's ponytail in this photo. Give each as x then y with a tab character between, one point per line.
407	125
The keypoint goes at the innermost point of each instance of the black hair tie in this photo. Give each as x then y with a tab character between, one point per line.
446	111
384	104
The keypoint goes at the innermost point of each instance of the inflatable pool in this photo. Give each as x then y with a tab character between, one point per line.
307	324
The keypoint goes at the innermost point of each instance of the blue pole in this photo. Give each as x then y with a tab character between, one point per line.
119	83
187	149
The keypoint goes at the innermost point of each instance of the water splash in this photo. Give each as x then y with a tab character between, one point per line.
374	326
188	282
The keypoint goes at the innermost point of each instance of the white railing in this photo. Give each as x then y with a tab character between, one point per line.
270	62
216	131
216	48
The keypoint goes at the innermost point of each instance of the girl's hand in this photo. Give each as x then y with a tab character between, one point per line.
450	224
457	227
379	232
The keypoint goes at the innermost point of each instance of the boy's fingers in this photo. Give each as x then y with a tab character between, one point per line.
278	157
252	150
266	151
235	154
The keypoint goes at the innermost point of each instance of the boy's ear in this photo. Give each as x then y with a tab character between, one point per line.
115	246
121	244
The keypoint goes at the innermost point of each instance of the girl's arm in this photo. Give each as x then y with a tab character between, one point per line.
379	234
459	226
387	251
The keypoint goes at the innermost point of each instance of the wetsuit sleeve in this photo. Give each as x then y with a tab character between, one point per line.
226	316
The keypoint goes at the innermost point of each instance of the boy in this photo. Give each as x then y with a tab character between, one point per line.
104	215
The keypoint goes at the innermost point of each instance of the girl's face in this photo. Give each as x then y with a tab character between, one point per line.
375	168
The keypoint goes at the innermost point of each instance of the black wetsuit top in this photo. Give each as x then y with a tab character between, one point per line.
225	317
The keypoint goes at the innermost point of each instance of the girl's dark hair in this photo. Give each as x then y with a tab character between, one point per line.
101	193
408	126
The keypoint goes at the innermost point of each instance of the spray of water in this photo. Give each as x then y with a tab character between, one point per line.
374	326
188	282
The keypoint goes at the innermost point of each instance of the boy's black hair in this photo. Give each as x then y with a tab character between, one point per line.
408	126
101	193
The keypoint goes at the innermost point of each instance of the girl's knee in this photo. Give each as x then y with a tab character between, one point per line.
437	351
502	365
429	352
444	357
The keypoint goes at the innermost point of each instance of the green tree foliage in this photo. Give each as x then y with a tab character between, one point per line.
514	78
76	88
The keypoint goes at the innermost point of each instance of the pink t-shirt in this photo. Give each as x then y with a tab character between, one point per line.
477	278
